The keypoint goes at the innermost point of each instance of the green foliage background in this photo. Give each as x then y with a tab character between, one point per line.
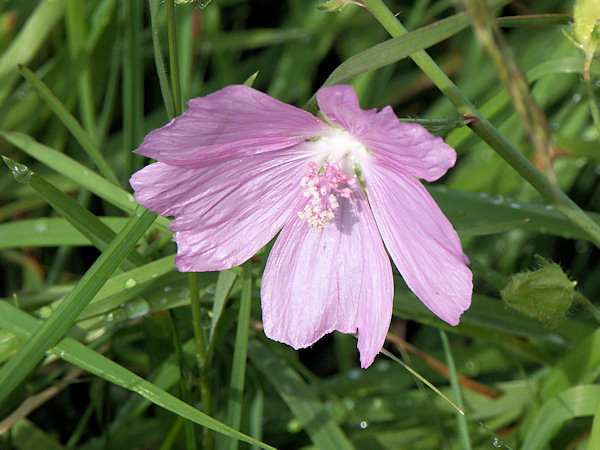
103	344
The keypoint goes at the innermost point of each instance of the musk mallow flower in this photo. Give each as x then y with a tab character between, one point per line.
240	166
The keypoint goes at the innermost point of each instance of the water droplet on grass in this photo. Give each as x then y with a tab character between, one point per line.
130	283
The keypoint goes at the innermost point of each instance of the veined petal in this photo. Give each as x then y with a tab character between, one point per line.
226	212
421	241
337	278
409	147
234	122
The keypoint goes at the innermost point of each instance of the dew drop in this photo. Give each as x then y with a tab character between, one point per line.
364	424
515	205
184	293
137	308
497	200
131	198
548	207
354	374
130	283
41	226
167	288
497	443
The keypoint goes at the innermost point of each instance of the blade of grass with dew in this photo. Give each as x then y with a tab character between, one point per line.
469	211
32	352
70	123
78	354
299	397
77	172
235	398
83	220
49	232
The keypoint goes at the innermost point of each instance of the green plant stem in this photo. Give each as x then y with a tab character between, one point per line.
240	356
199	340
512	78
184	388
480	125
173	60
462	420
588	305
587	80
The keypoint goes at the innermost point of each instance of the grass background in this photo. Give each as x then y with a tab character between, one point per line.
133	354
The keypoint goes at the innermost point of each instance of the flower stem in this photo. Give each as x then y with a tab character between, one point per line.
587	80
173	60
205	396
480	125
591	308
184	388
512	78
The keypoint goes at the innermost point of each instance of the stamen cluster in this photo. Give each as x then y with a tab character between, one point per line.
323	188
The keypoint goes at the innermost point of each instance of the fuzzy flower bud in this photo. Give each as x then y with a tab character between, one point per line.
545	294
586	26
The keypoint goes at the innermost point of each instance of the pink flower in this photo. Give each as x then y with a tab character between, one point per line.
239	166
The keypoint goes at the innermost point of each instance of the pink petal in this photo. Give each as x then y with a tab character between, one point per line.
233	122
338	278
226	212
421	241
409	147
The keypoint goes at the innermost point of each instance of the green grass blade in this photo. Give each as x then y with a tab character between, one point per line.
83	220
393	50
480	213
49	232
32	36
224	285
70	123
463	429
240	355
161	70
78	354
77	172
32	352
300	398
578	401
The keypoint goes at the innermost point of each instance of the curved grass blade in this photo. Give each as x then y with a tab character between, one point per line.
78	354
70	123
32	352
575	402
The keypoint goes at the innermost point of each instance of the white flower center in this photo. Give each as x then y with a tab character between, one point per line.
332	180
